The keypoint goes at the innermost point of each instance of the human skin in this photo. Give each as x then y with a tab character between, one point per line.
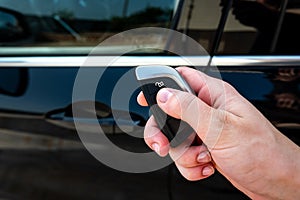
239	141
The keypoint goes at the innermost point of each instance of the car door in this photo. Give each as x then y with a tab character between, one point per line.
54	42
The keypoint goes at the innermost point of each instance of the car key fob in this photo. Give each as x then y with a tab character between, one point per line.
154	77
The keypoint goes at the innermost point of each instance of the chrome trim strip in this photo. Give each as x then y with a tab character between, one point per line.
129	61
256	60
288	125
102	61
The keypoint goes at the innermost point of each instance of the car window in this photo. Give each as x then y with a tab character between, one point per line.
262	28
250	27
75	26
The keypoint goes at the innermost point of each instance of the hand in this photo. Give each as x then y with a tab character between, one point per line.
244	146
189	160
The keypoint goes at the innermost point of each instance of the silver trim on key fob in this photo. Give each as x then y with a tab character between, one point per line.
146	72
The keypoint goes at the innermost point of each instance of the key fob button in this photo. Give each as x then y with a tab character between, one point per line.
153	88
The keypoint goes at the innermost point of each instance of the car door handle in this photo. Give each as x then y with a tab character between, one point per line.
94	113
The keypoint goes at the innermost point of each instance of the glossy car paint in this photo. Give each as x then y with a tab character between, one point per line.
42	145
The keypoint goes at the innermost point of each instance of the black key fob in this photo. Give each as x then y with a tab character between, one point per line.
154	77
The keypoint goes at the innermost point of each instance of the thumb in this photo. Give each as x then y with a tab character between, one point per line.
189	108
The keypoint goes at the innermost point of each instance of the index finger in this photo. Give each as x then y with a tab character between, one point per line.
208	89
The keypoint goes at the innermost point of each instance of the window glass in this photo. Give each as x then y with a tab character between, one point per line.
253	28
55	26
199	20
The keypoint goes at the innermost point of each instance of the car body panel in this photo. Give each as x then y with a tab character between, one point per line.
53	137
42	155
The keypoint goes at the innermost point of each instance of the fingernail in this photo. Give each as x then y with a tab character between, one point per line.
203	157
164	95
156	147
208	170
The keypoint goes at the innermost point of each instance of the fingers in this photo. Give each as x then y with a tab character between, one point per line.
189	108
155	139
210	90
196	173
192	156
202	112
195	163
